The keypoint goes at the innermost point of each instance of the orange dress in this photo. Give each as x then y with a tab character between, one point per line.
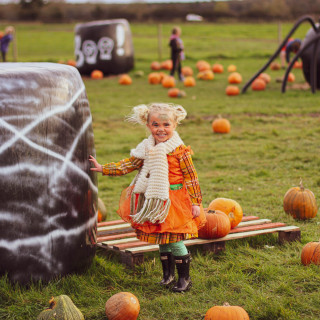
179	223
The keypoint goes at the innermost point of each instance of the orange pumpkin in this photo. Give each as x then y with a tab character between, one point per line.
265	77
176	93
291	77
258	85
102	211
232	68
155	65
297	65
154	78
230	207
205	75
232	90
125	79
189	82
187	71
226	312
300	203
168	82
217	225
166	65
122	306
217	68
96	74
221	125
275	66
72	63
235	78
311	253
203	65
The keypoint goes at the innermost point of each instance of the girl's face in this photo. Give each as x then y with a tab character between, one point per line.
161	126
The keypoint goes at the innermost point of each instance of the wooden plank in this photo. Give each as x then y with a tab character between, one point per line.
119	241
124	246
116	236
238	235
252	222
110	223
114	227
248	218
258	227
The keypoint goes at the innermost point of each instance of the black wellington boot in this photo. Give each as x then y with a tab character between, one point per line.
168	268
183	266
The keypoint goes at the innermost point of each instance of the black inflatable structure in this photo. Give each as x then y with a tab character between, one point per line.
104	45
309	53
48	198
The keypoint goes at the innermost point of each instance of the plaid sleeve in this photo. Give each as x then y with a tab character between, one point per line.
190	177
122	167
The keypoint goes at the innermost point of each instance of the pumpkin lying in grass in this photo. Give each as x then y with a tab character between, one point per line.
217	226
311	253
232	90
235	78
122	306
230	207
155	65
275	66
217	68
61	308
300	203
203	65
189	82
265	77
205	75
187	71
221	125
166	65
176	93
125	79
168	82
96	74
154	78
232	68
258	84
226	312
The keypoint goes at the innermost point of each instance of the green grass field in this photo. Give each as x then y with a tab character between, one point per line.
274	141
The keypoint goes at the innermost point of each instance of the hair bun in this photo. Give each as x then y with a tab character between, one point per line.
139	114
180	112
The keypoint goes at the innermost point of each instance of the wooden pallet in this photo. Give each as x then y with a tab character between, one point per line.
119	237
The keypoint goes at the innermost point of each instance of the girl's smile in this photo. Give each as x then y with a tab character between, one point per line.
161	126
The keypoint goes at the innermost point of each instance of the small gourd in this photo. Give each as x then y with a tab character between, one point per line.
61	308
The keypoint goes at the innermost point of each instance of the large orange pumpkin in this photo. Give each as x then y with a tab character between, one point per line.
125	79
168	82
226	312
166	65
155	65
232	90
96	74
154	78
205	75
187	71
311	253
258	85
235	78
203	65
275	66
221	125
230	207
122	306
217	225
217	68
232	68
300	203
189	82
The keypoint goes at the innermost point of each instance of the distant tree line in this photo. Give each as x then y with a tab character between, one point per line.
55	11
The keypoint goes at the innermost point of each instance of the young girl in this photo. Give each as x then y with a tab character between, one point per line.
163	202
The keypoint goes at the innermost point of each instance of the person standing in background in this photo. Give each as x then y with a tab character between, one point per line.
5	41
177	52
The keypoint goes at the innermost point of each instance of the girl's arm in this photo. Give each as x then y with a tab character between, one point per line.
192	183
120	168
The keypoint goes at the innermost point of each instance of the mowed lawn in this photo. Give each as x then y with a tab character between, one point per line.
273	143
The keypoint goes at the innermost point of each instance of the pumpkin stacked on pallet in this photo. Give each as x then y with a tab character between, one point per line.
122	306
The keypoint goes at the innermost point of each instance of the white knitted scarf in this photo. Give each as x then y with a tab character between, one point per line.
152	181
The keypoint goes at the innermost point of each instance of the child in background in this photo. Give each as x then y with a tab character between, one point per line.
5	41
177	52
292	45
163	202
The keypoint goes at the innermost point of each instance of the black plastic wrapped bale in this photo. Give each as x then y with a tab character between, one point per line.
104	45
307	56
48	198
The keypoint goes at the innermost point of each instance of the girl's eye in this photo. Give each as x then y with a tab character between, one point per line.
167	124
154	124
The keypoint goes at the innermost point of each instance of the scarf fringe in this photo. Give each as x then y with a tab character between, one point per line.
152	210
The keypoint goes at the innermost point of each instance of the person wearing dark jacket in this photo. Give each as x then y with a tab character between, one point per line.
5	41
177	52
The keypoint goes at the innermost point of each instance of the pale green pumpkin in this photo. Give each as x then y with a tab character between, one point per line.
61	308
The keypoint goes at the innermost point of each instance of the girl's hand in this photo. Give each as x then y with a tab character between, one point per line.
195	211
97	166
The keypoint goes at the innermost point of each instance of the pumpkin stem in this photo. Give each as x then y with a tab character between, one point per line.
52	303
226	304
211	211
301	186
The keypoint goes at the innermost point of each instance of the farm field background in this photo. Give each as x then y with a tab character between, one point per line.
274	141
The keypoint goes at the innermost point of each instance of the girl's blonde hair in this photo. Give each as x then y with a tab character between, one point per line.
141	113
